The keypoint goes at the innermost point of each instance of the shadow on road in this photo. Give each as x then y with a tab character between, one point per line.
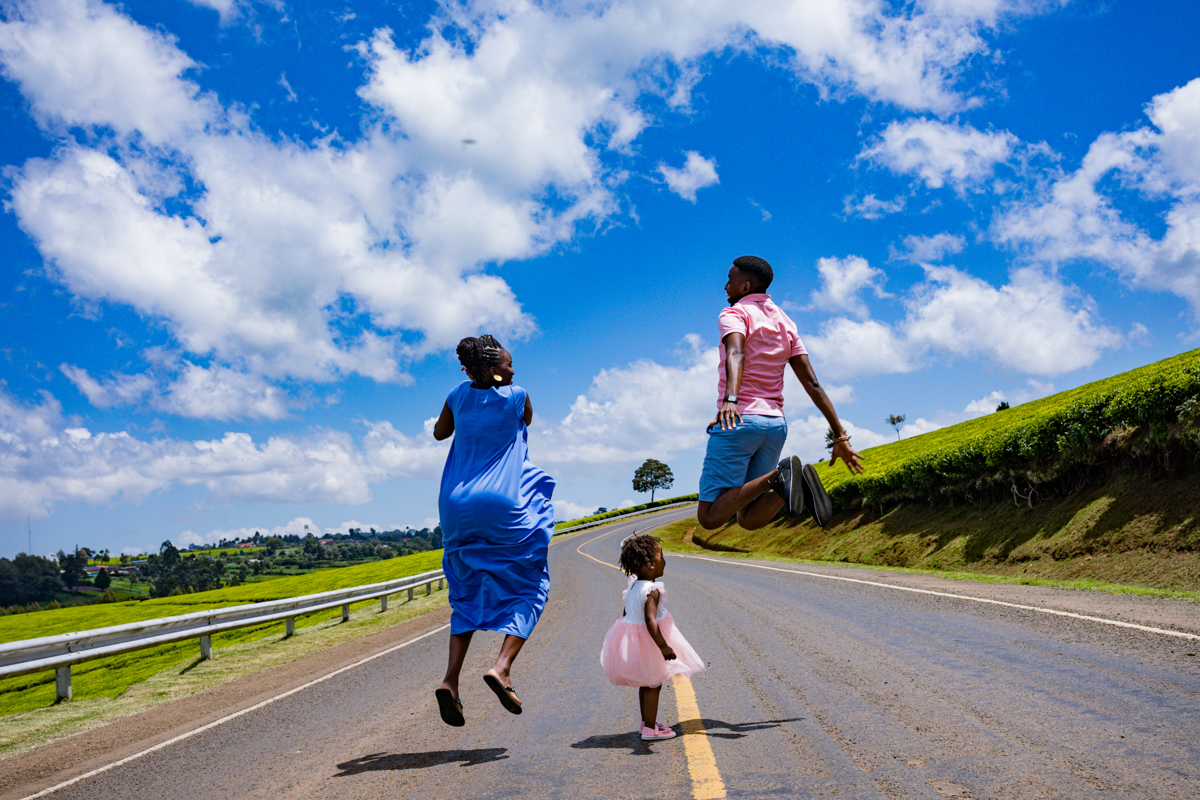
687	727
394	761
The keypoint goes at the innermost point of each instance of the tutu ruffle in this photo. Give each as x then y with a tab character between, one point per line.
631	658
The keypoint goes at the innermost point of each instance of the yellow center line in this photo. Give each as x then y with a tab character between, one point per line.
702	764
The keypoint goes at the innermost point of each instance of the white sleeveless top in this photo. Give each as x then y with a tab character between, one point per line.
635	600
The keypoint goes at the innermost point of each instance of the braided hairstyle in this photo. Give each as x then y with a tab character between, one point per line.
637	552
476	354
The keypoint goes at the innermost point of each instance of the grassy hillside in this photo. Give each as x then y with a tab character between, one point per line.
1130	530
1030	444
108	677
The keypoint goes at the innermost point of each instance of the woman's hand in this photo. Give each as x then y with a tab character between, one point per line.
667	652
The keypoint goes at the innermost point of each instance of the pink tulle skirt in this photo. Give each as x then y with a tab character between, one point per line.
631	658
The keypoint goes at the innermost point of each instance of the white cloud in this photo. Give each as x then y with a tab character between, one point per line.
871	207
565	510
46	459
313	260
1076	218
1034	324
842	279
941	153
927	249
228	10
697	172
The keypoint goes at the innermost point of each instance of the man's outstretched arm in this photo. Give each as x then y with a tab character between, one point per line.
808	379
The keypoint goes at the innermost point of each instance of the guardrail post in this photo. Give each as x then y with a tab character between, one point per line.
410	595
291	628
383	604
429	588
346	612
62	684
205	648
439	584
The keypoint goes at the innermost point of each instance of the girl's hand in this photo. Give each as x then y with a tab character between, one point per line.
667	652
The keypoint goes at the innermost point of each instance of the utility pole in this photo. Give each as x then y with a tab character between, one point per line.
29	527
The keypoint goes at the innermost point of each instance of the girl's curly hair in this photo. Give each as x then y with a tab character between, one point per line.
637	552
477	354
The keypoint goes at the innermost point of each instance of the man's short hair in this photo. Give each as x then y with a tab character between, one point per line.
758	269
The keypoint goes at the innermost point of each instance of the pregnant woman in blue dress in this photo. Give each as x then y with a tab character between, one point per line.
496	518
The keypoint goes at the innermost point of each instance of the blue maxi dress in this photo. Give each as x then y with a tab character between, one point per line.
496	515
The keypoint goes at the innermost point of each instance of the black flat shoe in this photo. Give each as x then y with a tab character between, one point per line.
451	709
507	695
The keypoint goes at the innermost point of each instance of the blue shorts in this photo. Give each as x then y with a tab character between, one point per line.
737	456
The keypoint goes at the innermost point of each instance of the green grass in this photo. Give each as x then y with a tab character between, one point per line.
109	677
1129	533
619	511
1064	426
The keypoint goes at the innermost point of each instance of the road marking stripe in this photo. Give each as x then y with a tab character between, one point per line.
1070	614
234	715
598	561
702	764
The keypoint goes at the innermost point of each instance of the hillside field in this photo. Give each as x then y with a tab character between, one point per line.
109	677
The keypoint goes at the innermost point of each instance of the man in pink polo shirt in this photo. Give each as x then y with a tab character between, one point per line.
742	472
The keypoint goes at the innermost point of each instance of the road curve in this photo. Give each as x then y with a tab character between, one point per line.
815	688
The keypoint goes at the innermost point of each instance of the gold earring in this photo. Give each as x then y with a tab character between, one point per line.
497	378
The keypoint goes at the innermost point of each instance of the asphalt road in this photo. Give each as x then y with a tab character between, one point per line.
816	687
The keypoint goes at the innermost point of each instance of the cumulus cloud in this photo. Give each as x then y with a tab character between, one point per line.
1076	216
871	207
927	249
47	458
941	153
281	259
842	279
697	172
1035	325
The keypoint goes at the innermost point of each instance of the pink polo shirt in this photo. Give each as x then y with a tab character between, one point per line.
771	340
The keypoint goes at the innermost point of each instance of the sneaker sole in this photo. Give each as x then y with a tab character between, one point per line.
796	503
815	496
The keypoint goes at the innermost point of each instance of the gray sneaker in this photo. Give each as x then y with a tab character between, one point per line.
788	484
815	497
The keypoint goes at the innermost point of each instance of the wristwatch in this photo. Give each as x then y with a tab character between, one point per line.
731	398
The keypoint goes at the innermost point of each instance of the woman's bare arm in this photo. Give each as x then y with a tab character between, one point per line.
528	410
444	427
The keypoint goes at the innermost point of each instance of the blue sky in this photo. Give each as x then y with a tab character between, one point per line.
242	238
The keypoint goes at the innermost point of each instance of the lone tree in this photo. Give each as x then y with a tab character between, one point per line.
896	420
102	581
1003	406
652	475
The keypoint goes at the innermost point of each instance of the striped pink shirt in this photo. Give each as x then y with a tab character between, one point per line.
771	340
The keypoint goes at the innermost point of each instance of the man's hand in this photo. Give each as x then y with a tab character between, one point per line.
843	451
728	417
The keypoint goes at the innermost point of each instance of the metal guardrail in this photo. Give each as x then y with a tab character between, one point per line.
63	650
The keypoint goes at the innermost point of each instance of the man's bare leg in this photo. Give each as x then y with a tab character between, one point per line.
733	501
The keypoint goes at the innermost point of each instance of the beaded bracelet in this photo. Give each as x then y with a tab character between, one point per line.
845	438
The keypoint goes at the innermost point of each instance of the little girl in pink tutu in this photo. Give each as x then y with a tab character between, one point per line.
644	647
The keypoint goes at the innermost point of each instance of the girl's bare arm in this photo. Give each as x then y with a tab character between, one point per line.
528	410
444	427
652	626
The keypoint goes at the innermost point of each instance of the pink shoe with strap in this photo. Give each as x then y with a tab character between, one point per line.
658	733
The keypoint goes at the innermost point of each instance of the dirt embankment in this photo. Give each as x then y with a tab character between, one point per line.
1128	530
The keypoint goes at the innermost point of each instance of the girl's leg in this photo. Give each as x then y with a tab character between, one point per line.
459	644
648	699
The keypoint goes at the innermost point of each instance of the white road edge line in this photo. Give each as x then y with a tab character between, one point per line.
1073	615
234	715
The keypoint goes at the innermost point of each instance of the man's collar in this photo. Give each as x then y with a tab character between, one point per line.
753	297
